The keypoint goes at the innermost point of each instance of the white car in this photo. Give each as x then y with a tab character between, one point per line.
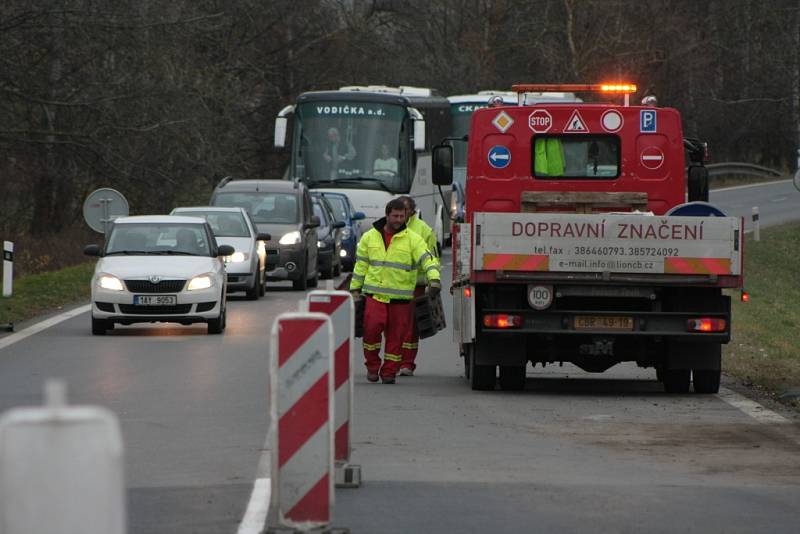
159	268
232	226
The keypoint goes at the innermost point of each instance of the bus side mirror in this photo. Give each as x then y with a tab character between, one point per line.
419	135
443	165
281	123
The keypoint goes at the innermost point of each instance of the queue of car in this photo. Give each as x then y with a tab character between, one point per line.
180	268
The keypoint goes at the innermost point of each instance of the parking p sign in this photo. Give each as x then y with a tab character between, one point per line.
647	121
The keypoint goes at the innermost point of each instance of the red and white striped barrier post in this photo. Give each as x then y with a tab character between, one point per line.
301	422
339	306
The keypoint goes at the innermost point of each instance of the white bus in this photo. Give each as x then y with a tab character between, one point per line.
370	142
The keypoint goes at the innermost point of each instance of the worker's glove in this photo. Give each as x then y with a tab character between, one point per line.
356	294
434	288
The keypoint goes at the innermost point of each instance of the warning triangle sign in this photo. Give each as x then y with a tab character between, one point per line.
575	123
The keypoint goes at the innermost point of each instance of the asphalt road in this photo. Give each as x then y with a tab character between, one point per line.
777	202
574	452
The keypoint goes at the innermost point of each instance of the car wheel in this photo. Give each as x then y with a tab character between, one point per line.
99	327
252	292
216	326
301	284
262	284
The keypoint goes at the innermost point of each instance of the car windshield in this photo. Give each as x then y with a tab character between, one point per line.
223	224
276	208
338	206
186	239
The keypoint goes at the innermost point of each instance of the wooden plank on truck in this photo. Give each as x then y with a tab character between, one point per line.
582	202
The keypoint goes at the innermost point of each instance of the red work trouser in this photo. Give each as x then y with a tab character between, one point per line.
391	320
411	341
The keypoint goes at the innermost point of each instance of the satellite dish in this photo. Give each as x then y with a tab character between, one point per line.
103	206
696	209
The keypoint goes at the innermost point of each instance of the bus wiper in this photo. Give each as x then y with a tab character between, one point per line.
378	181
312	183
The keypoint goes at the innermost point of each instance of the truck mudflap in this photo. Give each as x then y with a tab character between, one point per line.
636	245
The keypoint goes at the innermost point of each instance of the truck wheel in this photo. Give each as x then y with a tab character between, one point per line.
465	355
676	380
481	377
512	377
706	380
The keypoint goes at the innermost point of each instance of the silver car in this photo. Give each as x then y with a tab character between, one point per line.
246	267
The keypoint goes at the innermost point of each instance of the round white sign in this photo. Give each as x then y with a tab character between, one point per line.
540	297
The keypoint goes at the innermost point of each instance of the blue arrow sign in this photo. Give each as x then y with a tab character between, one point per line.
499	157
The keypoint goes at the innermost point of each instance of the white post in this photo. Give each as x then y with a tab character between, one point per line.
61	468
756	225
8	267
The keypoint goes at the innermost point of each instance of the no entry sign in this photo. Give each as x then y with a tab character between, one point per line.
652	157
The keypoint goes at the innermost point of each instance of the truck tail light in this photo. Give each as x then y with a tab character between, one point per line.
706	324
745	296
502	320
468	292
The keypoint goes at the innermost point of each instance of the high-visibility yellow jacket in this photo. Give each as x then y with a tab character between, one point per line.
548	157
421	228
391	274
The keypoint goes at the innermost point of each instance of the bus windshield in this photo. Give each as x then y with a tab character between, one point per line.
351	142
461	120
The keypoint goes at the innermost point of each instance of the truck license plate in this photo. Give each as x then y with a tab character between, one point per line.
155	300
602	322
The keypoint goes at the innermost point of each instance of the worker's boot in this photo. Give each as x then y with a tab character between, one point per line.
406	371
372	377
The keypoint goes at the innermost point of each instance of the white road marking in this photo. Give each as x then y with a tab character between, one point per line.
752	408
749	185
256	515
44	325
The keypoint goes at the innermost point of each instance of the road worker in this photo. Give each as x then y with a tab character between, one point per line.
387	259
421	228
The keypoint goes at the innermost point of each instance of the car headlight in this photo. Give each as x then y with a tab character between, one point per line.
106	281
200	282
237	257
320	244
343	253
345	233
292	238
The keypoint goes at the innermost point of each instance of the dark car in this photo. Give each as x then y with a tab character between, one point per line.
329	240
344	211
281	208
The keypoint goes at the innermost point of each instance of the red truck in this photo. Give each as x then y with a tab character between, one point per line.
580	246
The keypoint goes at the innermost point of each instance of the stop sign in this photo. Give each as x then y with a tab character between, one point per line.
540	121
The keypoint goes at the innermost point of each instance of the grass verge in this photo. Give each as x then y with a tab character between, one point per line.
39	293
764	350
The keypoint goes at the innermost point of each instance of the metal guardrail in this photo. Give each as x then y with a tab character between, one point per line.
740	168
